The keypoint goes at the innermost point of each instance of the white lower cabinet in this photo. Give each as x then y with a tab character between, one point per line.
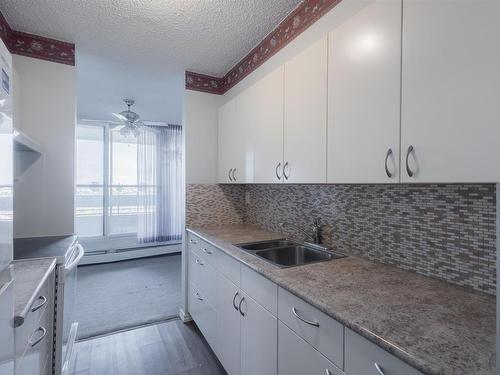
319	330
363	357
228	324
203	314
256	328
259	337
297	357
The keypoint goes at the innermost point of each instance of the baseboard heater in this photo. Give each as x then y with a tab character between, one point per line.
113	255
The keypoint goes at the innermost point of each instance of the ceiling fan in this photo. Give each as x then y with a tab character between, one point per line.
129	121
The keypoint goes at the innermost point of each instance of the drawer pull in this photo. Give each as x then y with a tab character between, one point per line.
209	252
328	372
194	242
315	324
201	263
379	369
39	329
234	301
41	304
199	297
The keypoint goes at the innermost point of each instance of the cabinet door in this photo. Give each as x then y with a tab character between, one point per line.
297	357
259	338
228	134
235	161
450	86
228	325
364	96
305	115
203	314
267	128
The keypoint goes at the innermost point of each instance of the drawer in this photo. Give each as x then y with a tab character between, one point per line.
322	332
228	266
202	275
44	300
362	357
202	248
203	314
297	357
262	290
38	351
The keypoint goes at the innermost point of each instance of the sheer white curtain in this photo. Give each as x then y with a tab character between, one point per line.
159	168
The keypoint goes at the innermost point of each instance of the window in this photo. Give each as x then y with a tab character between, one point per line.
89	197
106	182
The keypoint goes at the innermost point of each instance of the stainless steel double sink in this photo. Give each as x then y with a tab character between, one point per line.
285	253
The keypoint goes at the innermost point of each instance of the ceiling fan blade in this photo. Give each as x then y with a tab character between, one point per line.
119	116
154	123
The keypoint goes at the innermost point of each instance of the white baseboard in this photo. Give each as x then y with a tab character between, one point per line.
185	317
143	252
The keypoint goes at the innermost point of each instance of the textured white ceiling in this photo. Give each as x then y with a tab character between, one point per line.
205	36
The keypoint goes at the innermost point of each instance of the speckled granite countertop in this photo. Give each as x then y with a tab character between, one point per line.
434	326
29	276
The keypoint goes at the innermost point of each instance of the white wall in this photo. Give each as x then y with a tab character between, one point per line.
200	123
44	193
102	85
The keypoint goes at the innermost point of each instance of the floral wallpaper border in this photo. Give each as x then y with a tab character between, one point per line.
308	12
35	46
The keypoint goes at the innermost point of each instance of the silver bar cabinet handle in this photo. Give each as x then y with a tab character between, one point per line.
40	305
201	263
193	241
199	296
379	369
39	329
315	324
284	171
389	153
277	169
229	174
239	306
328	372
206	251
234	301
234	171
408	170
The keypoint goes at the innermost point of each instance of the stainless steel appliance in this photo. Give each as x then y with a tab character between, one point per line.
68	253
66	326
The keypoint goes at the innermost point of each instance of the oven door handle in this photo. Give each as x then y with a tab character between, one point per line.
75	262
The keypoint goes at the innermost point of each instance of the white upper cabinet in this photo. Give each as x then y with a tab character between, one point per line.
305	104
450	127
364	82
235	159
267	127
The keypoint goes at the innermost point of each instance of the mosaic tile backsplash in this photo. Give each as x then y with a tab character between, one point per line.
211	204
443	231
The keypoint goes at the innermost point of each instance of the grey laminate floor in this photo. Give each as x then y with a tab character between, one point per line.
162	349
126	294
